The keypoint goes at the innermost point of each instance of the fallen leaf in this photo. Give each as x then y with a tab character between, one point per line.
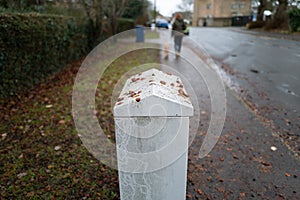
200	191
62	122
120	99
273	148
135	79
22	175
163	82
266	164
265	170
4	135
182	93
56	148
50	166
221	189
95	112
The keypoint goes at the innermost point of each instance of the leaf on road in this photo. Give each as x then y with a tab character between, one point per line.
199	191
273	148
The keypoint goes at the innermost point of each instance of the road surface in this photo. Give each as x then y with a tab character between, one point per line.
256	155
264	70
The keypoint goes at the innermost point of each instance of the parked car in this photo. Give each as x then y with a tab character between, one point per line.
162	23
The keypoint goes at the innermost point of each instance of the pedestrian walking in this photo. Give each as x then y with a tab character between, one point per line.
178	28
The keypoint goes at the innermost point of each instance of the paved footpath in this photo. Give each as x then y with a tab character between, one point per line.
248	162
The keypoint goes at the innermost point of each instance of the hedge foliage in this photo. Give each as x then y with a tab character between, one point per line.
294	17
125	24
32	46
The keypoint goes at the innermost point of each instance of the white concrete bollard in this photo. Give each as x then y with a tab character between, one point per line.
152	129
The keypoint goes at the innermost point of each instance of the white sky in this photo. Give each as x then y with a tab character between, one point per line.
166	7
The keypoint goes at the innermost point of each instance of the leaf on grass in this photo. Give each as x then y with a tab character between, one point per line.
50	166
22	175
56	148
62	121
4	135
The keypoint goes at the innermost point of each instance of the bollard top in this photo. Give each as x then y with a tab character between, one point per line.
153	93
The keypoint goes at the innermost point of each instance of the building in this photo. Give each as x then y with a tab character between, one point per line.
219	12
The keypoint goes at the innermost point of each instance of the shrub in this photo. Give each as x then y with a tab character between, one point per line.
256	24
294	18
125	24
32	46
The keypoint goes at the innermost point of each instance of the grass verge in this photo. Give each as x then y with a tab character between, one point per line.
42	156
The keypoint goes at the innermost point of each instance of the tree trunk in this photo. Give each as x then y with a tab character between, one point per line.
280	19
261	8
99	17
114	25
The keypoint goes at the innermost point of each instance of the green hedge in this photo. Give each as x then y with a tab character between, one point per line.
125	24
32	46
294	17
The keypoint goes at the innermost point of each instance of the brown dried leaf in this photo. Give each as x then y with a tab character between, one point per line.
182	93
163	82
199	191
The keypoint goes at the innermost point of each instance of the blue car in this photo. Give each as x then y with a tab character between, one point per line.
162	23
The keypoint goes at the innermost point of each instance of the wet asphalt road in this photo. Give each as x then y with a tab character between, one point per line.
264	70
256	155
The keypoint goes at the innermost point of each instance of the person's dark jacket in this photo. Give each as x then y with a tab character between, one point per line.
178	27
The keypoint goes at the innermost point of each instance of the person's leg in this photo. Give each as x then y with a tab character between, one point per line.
179	43
177	40
176	43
